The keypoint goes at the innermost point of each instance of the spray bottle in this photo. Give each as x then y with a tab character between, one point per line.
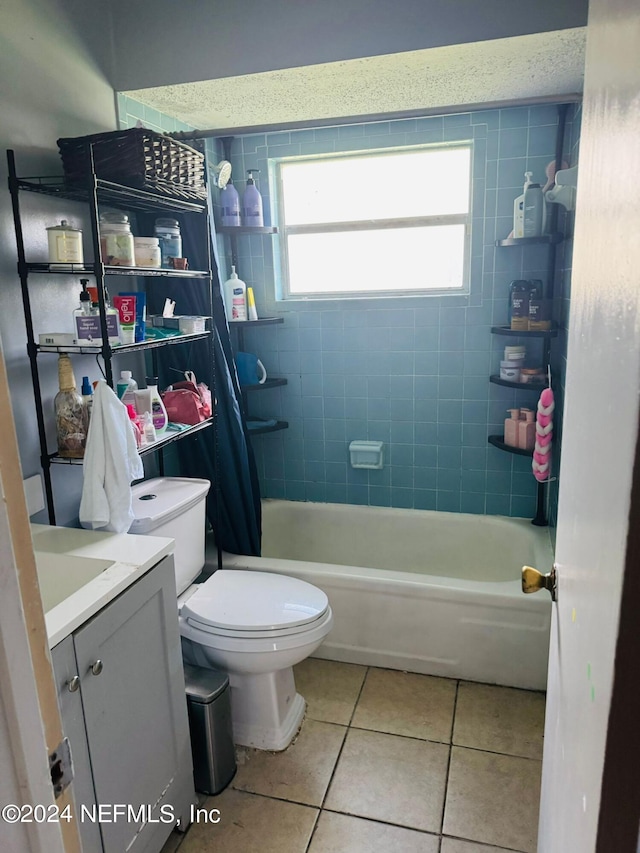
252	203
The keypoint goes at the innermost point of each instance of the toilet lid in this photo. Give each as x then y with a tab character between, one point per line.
254	601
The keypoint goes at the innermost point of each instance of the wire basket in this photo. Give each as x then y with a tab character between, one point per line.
137	158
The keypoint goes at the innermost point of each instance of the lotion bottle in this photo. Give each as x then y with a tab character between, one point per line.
527	430
252	203
235	297
158	411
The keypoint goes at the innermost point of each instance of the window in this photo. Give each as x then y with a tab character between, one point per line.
375	224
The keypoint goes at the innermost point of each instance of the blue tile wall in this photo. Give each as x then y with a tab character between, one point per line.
412	372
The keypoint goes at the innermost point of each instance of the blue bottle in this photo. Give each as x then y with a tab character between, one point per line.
252	203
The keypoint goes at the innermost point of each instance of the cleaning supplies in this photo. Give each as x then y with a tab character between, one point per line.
234	294
71	429
252	203
230	201
158	411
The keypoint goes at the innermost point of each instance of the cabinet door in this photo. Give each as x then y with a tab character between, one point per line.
65	669
136	713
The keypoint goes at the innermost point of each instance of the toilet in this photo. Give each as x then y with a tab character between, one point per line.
253	625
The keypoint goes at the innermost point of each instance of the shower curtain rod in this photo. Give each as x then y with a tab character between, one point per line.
572	98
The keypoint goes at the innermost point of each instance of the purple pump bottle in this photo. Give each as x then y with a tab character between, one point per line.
252	203
230	201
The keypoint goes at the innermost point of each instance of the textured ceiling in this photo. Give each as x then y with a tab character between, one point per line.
543	64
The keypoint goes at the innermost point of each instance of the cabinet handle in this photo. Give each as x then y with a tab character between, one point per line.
97	667
73	684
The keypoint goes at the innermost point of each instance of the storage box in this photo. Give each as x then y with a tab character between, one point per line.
138	158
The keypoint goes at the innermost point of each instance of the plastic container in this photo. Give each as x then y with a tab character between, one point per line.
86	322
533	210
174	507
230	201
129	396
511	427
515	353
519	300
147	251
158	411
532	375
65	244
235	297
252	216
191	325
209	709
510	370
113	323
526	430
168	233
116	240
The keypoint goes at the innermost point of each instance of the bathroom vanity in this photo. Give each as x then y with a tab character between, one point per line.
117	664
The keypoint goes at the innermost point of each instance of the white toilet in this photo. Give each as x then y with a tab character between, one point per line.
253	625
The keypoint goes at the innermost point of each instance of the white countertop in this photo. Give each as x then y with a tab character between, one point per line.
81	571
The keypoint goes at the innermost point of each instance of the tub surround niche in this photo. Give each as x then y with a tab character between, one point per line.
427	592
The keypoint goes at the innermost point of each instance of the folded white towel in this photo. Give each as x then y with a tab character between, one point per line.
111	462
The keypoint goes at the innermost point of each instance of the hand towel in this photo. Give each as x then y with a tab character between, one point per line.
111	462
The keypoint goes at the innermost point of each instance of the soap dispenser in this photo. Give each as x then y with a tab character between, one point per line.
252	203
518	208
527	430
230	202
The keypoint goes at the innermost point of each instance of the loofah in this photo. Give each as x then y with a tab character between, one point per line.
541	463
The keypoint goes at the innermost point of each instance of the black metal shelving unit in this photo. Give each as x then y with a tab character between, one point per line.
551	240
93	193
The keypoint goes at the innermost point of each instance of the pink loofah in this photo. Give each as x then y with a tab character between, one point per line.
541	463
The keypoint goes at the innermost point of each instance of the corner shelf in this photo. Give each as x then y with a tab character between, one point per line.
260	430
264	386
519	386
232	230
515	333
498	441
544	240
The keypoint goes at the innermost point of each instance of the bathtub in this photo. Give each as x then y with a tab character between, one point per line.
429	592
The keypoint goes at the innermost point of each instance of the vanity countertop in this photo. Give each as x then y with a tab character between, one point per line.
81	571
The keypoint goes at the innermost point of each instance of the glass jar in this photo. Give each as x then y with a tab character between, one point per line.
65	244
147	251
116	240
168	233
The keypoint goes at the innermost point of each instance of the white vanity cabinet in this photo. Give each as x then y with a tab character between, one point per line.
122	699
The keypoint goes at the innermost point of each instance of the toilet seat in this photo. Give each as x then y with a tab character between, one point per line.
254	605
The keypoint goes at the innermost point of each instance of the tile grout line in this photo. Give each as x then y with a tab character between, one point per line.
446	782
335	766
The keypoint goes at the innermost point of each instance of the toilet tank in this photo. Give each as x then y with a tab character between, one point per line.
174	507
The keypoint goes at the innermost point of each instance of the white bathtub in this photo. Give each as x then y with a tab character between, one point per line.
428	592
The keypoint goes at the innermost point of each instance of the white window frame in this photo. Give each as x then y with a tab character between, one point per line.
285	230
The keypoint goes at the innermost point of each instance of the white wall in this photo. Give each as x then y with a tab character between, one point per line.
53	87
161	42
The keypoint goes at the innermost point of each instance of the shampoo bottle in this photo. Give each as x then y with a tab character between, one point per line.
533	210
252	203
518	208
527	430
158	411
230	201
235	297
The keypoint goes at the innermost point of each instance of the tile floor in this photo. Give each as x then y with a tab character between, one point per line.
384	761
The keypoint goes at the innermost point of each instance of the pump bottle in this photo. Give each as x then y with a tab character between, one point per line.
230	201
252	203
235	297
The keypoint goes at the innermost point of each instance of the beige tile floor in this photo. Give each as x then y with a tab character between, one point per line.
384	761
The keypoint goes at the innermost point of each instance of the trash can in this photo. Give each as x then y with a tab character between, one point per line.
209	707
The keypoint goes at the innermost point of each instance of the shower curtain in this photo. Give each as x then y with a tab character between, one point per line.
233	503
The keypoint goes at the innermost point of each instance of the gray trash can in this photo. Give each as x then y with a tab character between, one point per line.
209	706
